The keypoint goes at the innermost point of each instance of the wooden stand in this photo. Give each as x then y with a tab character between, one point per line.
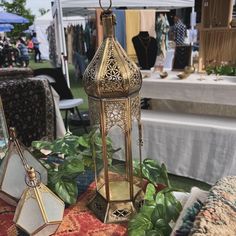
217	38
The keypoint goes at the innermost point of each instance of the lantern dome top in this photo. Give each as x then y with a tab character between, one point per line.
111	74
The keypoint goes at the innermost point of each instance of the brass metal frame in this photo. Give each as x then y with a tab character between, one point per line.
112	82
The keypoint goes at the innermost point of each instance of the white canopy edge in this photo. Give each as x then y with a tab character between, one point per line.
130	4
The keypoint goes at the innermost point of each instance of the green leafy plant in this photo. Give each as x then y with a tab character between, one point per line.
160	206
71	156
221	70
152	172
157	213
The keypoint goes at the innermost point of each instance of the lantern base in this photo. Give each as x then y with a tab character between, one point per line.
114	211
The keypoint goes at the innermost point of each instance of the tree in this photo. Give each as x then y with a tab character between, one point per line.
43	11
18	7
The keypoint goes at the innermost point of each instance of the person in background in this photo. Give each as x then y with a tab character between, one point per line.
37	52
180	31
30	45
24	53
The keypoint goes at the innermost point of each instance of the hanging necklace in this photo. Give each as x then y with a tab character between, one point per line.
145	41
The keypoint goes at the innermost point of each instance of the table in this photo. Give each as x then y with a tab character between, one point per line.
191	89
192	145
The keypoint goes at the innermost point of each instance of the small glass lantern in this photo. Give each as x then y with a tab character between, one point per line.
39	211
112	82
12	170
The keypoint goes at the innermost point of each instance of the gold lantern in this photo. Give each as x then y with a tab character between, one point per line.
112	82
39	211
12	170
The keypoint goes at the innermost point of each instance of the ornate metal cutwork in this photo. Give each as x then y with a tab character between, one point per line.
90	74
115	114
111	74
121	213
113	80
135	108
94	111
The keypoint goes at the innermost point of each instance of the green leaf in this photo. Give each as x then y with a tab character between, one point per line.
154	233
84	142
147	210
172	207
150	191
160	198
140	223
163	226
139	232
158	213
41	145
74	166
67	191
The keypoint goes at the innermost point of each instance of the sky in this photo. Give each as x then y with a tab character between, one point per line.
35	5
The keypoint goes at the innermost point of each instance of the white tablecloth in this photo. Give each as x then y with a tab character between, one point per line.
200	147
190	89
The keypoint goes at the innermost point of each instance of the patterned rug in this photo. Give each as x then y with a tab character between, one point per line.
78	220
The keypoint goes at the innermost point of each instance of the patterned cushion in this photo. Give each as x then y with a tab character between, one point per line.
15	73
218	215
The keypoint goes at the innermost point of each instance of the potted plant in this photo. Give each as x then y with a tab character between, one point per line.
160	207
68	157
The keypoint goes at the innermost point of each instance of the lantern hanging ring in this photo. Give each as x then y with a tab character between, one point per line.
100	3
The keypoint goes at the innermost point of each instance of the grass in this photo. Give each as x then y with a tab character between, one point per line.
78	92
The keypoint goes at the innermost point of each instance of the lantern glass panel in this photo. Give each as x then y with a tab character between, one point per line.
48	230
32	223
53	206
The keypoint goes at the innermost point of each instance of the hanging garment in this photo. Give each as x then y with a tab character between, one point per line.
132	18
180	32
162	29
148	18
87	36
120	32
69	31
99	27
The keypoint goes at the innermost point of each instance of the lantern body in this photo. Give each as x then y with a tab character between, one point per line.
112	83
39	211
12	174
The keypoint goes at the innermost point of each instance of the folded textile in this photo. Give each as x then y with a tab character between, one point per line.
147	21
132	29
120	27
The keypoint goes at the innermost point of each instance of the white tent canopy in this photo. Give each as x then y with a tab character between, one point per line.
40	26
43	22
130	4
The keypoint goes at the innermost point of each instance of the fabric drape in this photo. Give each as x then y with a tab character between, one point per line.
120	27
132	29
147	21
99	27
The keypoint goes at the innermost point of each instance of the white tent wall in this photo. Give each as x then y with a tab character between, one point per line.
40	27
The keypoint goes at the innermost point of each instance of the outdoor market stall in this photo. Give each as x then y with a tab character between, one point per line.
72	7
192	141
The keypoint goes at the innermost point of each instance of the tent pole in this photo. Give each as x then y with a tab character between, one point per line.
63	43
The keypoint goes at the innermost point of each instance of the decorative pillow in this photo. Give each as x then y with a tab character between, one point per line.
189	212
218	215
